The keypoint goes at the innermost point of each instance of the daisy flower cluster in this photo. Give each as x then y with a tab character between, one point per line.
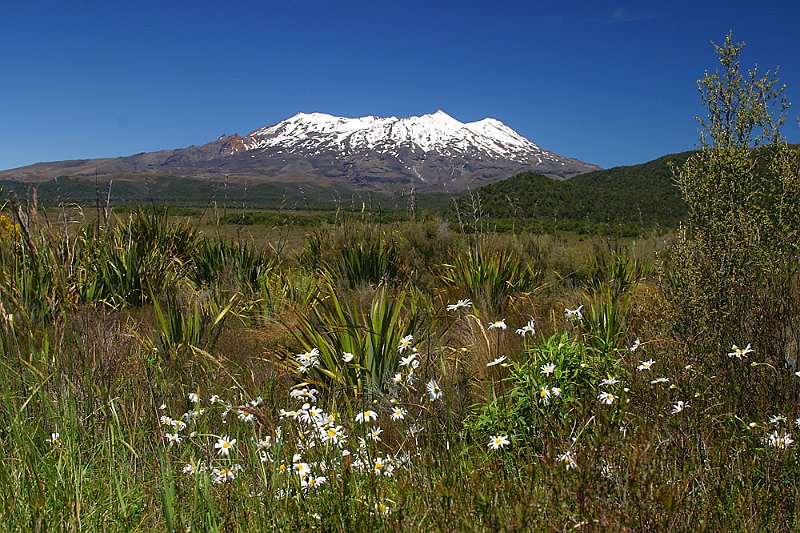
305	446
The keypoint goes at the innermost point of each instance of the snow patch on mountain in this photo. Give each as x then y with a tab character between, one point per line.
433	133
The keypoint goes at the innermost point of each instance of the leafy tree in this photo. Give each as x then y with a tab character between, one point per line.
734	277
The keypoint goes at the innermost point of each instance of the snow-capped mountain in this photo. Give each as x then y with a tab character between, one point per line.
429	152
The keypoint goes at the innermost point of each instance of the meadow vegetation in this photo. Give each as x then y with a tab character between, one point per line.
414	375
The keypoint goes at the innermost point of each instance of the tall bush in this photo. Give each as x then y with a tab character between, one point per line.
734	276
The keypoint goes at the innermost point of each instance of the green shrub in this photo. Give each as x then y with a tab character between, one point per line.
734	275
537	402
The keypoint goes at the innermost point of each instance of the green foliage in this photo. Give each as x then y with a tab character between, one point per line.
490	277
147	254
187	327
336	325
364	263
232	264
536	405
734	274
609	294
621	200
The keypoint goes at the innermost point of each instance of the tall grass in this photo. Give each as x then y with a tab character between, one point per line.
626	439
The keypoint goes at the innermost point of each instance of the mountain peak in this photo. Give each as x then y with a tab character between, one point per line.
430	152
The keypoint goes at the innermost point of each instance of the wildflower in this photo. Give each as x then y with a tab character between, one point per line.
333	435
528	328
609	381
498	441
246	416
797	373
214	399
263	444
194	397
405	343
378	466
305	393
405	361
301	469
636	344
173	438
434	392
374	434
548	369
347	357
497	361
381	508
606	398
568	458
366	416
166	421
777	419
461	304
397	379
780	442
221	475
307	360
190	469
398	413
224	445
573	314
312	482
740	352
544	395
645	365
500	324
679	406
55	439
555	391
659	380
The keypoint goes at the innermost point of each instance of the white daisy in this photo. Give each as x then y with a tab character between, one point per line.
645	365
498	441
606	398
573	314
528	328
497	361
500	324
548	369
224	445
366	416
434	392
405	343
461	304
398	413
740	352
568	458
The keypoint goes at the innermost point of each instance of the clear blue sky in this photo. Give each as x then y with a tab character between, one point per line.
609	83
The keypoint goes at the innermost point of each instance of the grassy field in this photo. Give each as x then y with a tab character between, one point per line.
175	373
